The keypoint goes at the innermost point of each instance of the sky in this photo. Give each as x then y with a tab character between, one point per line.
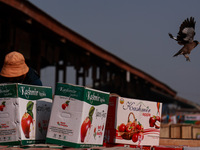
137	32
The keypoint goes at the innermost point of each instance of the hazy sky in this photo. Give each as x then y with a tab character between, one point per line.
137	32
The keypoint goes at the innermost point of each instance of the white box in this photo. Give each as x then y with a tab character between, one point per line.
24	113
133	121
78	116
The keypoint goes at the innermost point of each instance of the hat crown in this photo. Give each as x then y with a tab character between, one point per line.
14	58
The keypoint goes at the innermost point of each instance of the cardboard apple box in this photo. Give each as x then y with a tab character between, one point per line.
24	113
133	121
78	116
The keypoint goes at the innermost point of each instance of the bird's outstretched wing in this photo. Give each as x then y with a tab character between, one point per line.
186	31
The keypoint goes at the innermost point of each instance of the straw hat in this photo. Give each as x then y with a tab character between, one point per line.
14	65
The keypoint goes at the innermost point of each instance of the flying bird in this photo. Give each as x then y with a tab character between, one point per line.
185	37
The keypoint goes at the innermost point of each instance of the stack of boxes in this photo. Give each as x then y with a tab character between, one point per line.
78	117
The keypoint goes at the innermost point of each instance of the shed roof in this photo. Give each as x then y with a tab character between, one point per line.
47	21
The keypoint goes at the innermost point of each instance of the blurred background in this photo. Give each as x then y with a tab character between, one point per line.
137	32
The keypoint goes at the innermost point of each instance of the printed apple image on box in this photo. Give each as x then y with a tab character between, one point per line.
24	113
133	122
78	116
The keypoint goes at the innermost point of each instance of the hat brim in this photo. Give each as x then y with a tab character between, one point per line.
14	71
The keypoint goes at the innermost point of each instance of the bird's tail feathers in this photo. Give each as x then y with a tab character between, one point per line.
178	53
171	36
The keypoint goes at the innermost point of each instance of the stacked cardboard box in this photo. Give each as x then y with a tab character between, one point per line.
24	113
133	122
78	116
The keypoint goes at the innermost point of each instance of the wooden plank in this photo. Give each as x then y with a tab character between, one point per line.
195	131
165	131
180	142
175	131
186	131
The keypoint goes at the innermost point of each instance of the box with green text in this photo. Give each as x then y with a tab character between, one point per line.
24	113
78	116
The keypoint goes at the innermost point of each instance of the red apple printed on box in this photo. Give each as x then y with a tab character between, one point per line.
27	119
64	105
139	127
2	106
86	125
126	129
133	130
122	127
154	121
